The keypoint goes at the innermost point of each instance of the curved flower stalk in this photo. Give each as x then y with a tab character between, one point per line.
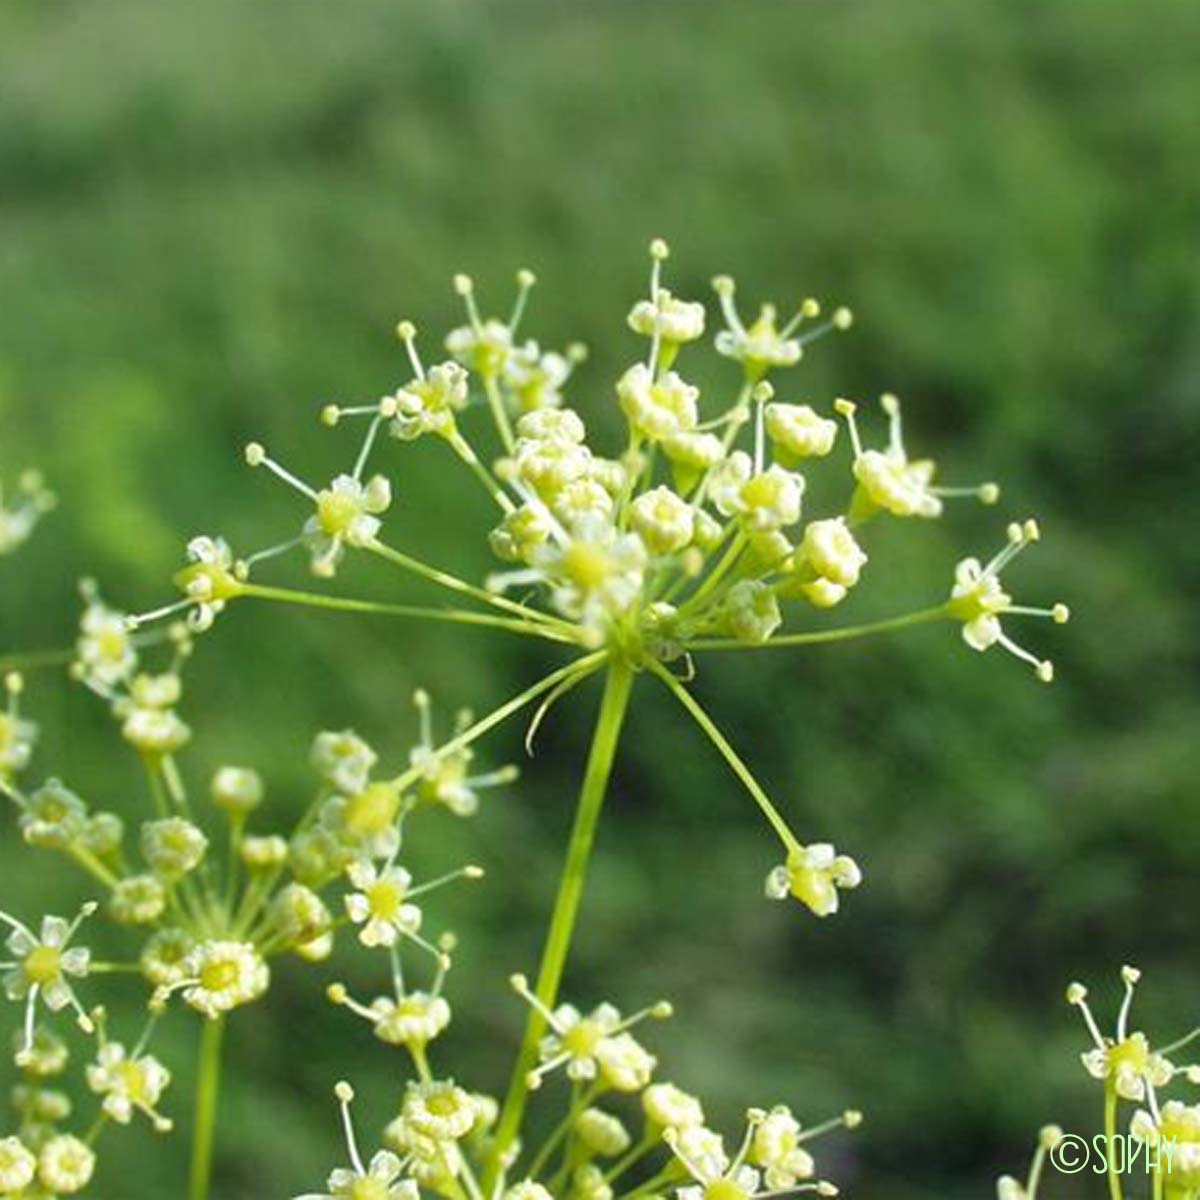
692	534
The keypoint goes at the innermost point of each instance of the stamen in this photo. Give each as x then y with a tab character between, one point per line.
369	441
134	620
256	456
424	707
1129	976
469	872
497	778
534	1078
809	308
724	286
841	320
891	405
525	281
985	493
1077	996
657	1012
754	1118
406	331
847	409
501	581
345	1095
465	287
1043	667
242	567
520	985
760	395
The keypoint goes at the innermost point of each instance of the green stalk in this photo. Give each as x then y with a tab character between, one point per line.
728	753
618	684
451	615
819	636
208	1085
1110	1137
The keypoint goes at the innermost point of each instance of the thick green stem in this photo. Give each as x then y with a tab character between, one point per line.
617	686
208	1086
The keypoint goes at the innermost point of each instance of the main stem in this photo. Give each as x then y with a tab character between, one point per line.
618	683
208	1085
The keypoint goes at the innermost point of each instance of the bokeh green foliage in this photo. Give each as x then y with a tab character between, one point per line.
210	218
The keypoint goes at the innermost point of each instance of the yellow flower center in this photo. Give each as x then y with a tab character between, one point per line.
218	976
368	1189
133	1081
724	1189
111	644
385	899
337	511
586	566
373	810
581	1040
43	965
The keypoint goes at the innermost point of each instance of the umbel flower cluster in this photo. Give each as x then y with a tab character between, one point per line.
692	536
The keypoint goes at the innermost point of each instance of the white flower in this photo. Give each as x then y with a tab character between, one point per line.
208	581
889	480
657	408
484	348
263	852
17	1166
625	1064
751	611
367	820
814	874
342	759
428	404
668	1106
129	1083
237	789
665	521
105	655
44	965
798	432
775	1147
445	778
53	817
1126	1061
413	1021
379	905
222	975
668	317
830	549
17	736
536	379
164	956
527	1189
65	1165
592	1045
439	1109
303	921
978	600
137	900
765	501
173	846
602	1133
20	515
347	515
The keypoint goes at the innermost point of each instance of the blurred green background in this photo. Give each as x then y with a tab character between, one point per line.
211	217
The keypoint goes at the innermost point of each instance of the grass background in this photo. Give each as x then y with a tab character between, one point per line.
210	219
